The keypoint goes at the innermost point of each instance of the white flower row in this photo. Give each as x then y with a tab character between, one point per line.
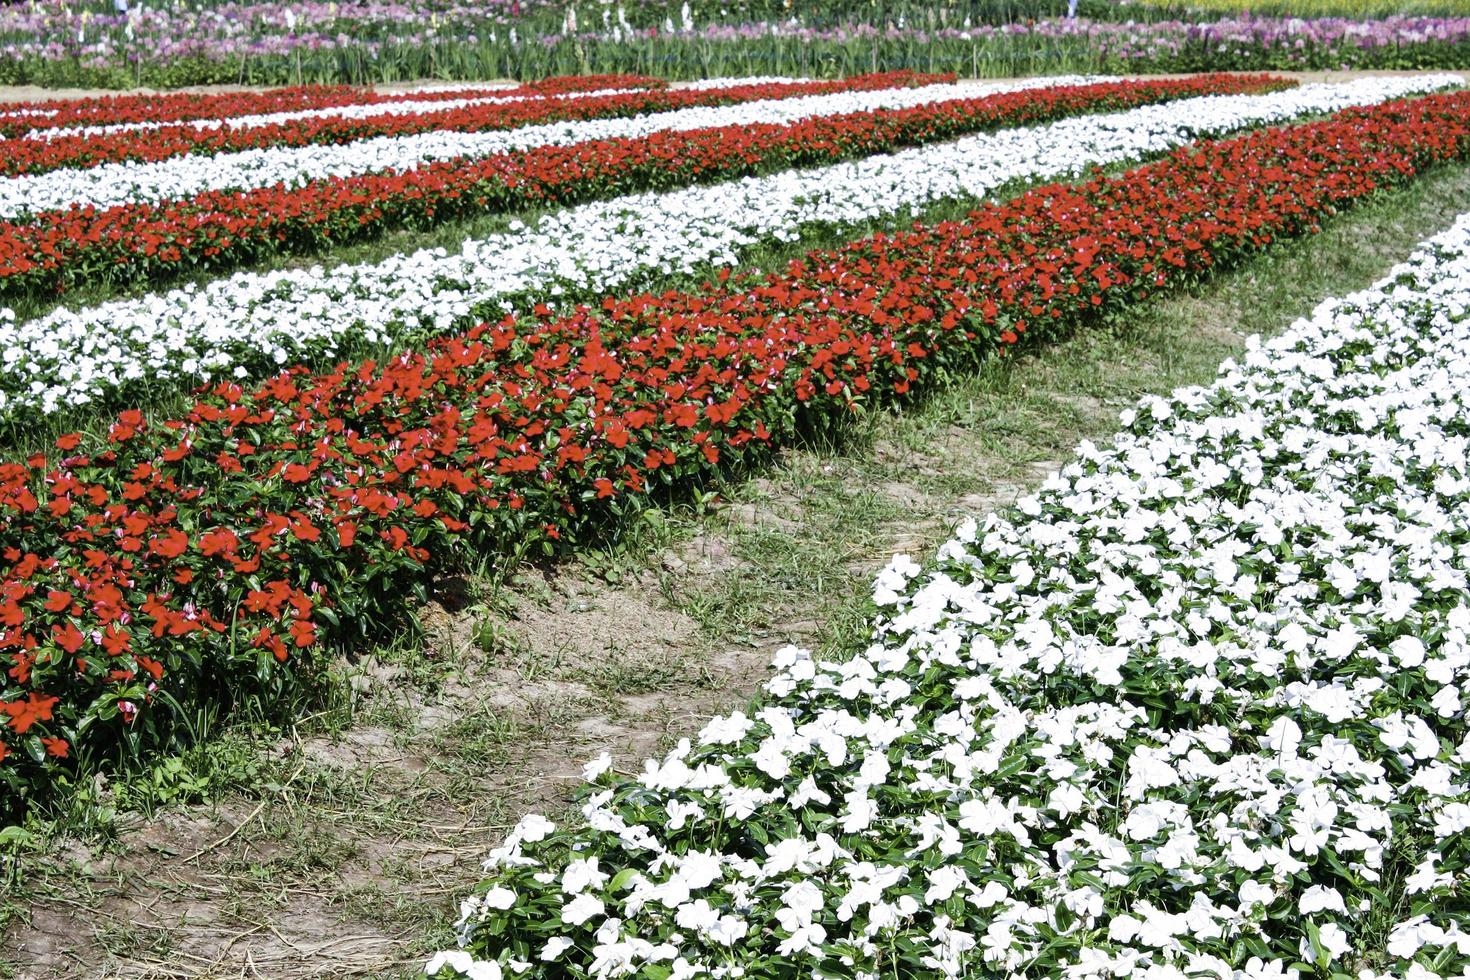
372	109
182	177
7	114
1197	709
251	322
704	84
42	113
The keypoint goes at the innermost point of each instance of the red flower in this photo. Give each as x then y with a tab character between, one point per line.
68	637
115	640
303	632
24	714
171	544
219	542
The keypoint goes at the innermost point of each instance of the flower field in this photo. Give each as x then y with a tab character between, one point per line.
1194	709
62	43
178	215
271	512
72	357
284	160
55	117
78	147
279	367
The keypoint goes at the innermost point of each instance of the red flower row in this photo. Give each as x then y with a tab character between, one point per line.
194	557
31	156
110	110
59	249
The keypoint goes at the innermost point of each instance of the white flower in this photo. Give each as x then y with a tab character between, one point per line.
1319	899
534	827
1408	651
463	964
594	769
456	960
499	898
728	930
555	946
581	875
697	915
1333	940
580	909
1253	892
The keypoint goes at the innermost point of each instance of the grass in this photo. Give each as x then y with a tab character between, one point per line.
375	810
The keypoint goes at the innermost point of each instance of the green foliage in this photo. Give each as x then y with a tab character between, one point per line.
200	772
944	37
1360	9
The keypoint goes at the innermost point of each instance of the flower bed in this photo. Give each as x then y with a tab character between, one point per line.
56	249
278	168
189	563
1421	13
1196	709
473	113
373	103
60	115
251	324
434	100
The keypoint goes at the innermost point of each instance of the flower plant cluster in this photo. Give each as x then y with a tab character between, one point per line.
250	325
1196	709
281	167
378	103
61	248
449	112
160	108
167	566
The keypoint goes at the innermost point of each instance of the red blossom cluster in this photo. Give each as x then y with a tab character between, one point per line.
59	249
31	156
111	110
171	563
